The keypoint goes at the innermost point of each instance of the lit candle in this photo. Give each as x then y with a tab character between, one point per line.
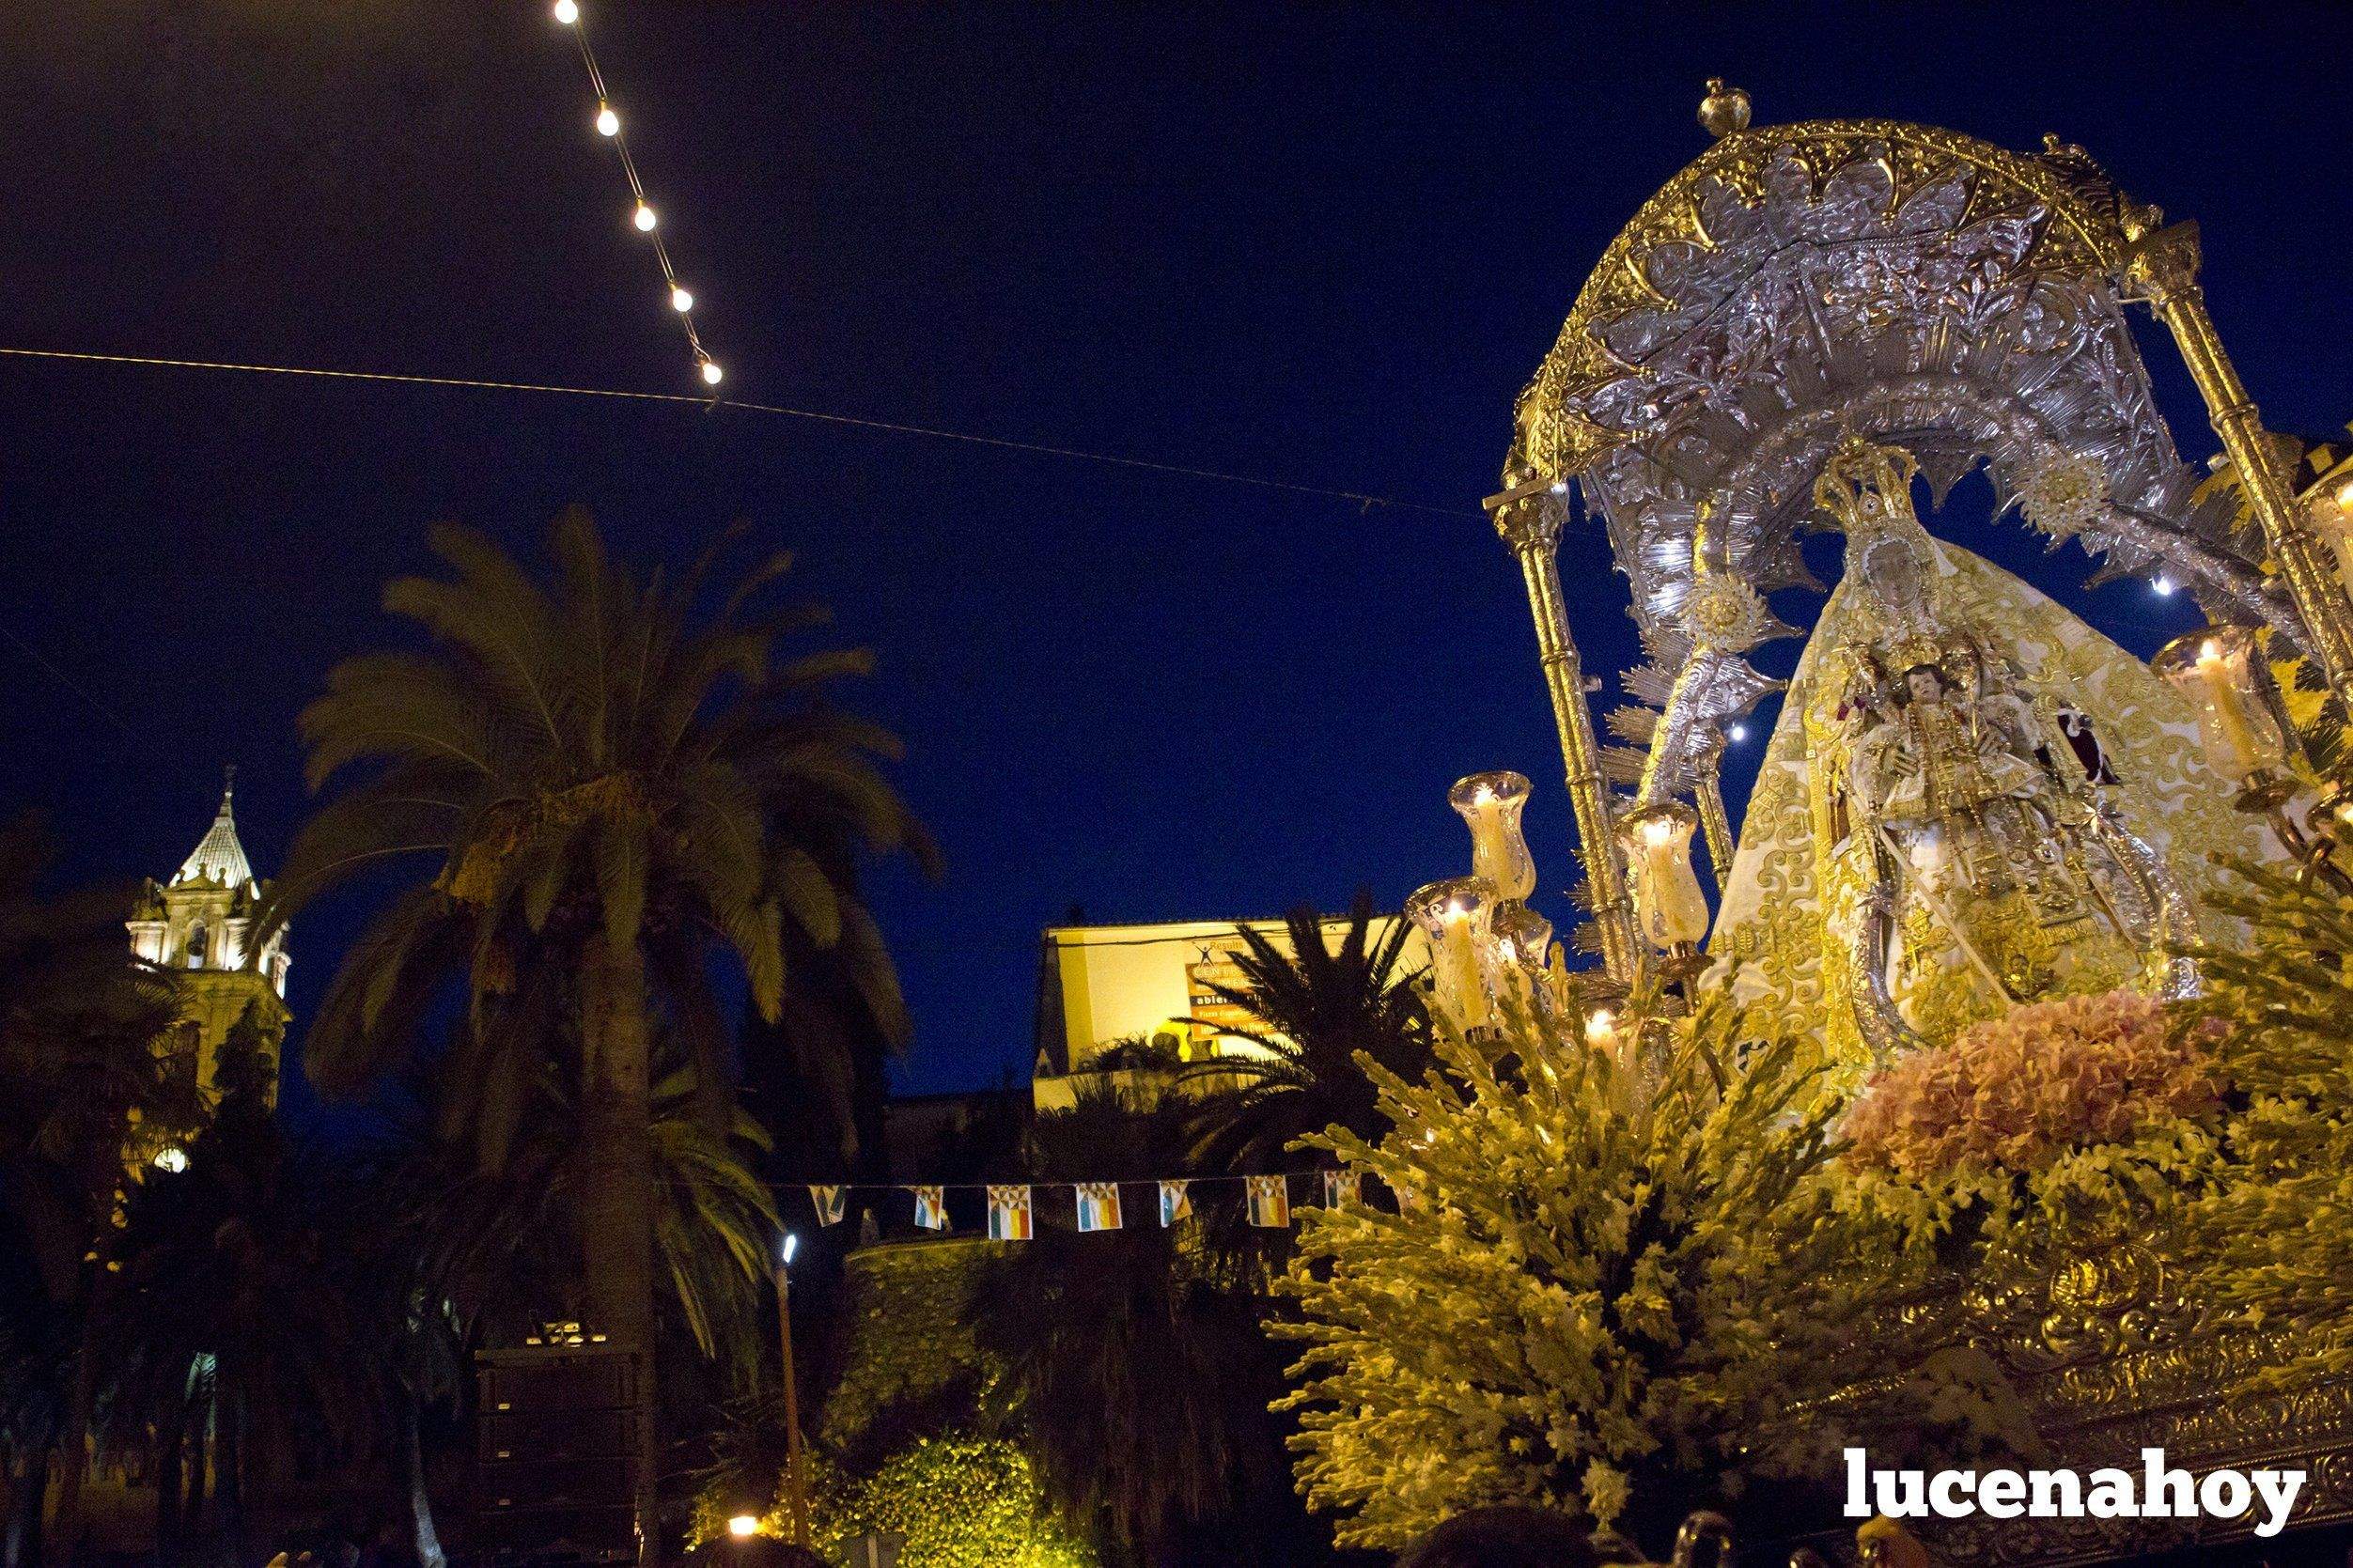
1453	915
1490	805
1602	1032
2213	670
1667	895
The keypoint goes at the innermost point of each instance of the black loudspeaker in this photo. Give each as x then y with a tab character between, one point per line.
557	1449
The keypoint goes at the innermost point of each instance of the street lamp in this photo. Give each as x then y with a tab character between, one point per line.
796	1480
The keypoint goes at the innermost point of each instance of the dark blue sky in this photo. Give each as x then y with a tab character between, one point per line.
1320	243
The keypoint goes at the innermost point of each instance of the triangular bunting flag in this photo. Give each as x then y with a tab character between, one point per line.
1176	1204
831	1203
931	1208
1008	1214
1269	1202
1342	1186
1099	1206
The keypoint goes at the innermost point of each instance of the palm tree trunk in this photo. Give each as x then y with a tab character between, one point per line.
199	1470
171	1449
427	1539
26	1504
228	1461
616	1201
74	1444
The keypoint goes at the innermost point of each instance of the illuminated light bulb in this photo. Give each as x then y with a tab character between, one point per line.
1737	733
681	299
1560	486
608	123
710	372
743	1524
171	1159
643	218
2163	584
567	11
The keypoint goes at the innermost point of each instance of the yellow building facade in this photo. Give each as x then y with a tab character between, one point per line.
1114	997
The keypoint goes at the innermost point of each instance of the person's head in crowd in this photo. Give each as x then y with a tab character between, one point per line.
1503	1537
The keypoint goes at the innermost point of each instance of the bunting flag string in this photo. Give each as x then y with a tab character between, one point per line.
1098	1205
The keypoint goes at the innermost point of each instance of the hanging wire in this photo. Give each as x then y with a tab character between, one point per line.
1357	498
609	125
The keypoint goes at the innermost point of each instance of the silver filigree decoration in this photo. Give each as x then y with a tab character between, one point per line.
2065	497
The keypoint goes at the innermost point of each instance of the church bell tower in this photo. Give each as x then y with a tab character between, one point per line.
198	925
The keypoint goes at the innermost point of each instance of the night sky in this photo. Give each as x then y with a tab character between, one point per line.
1322	245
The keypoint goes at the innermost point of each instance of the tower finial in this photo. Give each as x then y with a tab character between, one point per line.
229	786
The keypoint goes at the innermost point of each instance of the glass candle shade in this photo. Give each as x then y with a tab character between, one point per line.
2329	510
1519	943
1453	915
1490	804
1668	904
2217	671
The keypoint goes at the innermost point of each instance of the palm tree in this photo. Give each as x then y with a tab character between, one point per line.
1317	1008
79	1021
611	785
235	1316
1139	1375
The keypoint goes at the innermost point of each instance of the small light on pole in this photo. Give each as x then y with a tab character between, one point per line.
743	1524
796	1477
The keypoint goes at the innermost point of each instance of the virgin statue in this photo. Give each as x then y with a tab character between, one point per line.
1965	803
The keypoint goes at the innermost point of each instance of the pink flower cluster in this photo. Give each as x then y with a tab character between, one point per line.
2015	1092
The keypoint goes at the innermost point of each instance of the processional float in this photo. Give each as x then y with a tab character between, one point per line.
1971	798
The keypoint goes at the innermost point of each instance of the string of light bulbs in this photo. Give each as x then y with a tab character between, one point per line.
642	215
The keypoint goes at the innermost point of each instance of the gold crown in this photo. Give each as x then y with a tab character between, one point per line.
1865	487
